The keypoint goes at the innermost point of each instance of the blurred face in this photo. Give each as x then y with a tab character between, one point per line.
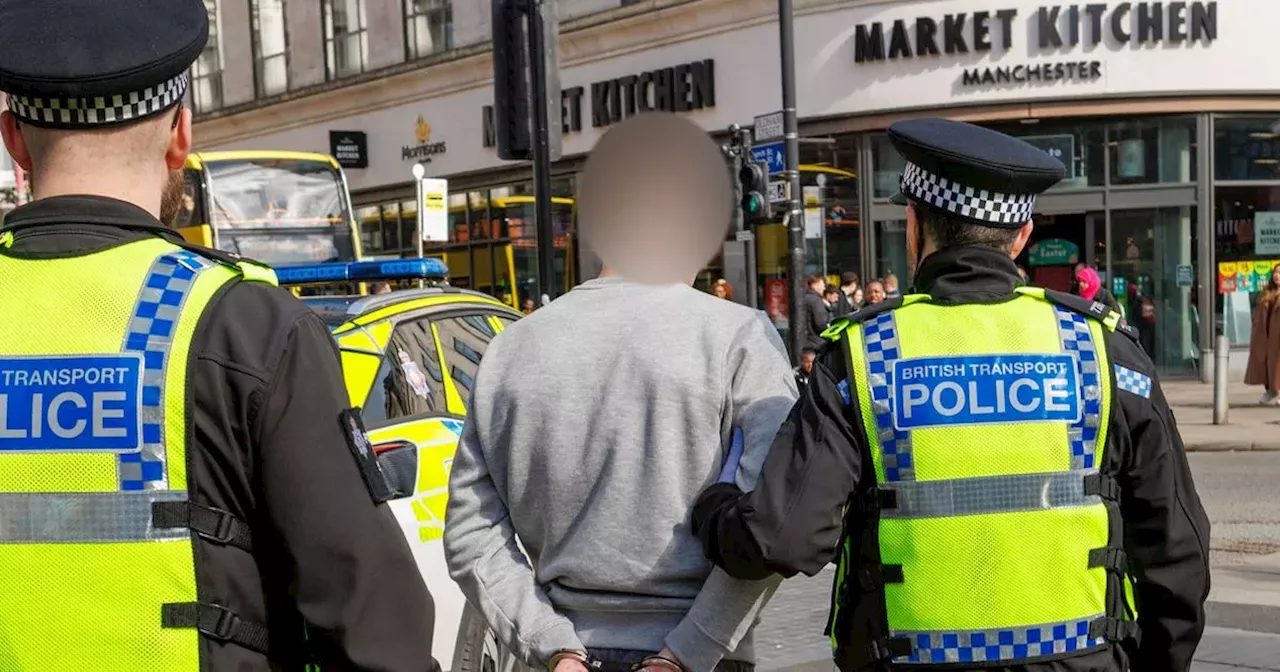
858	297
646	239
806	362
718	290
527	306
875	293
1275	275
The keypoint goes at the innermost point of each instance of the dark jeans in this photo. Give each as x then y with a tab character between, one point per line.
621	660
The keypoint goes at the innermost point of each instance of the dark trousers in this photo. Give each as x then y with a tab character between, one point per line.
621	660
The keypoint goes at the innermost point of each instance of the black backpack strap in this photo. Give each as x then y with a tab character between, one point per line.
216	622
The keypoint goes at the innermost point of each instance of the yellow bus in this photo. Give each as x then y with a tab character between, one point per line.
276	207
492	246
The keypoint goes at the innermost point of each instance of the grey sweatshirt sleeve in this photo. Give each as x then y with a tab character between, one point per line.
483	557
760	391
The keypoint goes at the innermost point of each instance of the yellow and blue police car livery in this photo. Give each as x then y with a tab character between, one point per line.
997	535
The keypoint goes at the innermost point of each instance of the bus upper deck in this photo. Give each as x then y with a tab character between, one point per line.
277	207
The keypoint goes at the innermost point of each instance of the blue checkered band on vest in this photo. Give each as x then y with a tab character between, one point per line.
100	110
980	204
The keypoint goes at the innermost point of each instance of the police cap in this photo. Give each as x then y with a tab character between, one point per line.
972	173
84	64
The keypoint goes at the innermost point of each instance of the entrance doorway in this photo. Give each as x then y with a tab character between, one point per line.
1057	244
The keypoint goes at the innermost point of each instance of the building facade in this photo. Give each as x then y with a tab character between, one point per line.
1166	115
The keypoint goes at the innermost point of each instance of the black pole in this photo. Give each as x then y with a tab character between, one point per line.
541	153
791	133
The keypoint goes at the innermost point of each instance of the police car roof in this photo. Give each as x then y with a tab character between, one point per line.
337	310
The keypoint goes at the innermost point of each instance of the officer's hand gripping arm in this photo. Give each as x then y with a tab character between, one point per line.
791	522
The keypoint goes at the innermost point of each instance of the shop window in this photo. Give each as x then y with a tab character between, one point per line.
891	253
408	228
409	381
829	184
346	38
1081	148
206	72
464	340
1148	151
369	219
428	27
1247	148
270	47
1247	245
888	165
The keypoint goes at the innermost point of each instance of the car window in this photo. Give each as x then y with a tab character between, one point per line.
409	382
464	339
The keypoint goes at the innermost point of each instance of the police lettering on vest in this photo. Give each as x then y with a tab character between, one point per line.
76	403
940	391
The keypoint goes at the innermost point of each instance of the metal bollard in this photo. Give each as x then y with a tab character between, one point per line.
1221	355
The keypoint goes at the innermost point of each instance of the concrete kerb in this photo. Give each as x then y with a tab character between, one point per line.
1250	427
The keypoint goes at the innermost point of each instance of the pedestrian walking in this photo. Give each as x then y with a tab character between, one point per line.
1264	342
1089	287
184	485
844	302
722	289
993	467
814	313
652	379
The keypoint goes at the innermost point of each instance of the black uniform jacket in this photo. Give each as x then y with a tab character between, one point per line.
265	444
792	522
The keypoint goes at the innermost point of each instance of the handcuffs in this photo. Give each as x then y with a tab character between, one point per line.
655	660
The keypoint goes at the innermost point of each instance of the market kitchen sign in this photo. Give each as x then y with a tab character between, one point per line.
1056	27
681	88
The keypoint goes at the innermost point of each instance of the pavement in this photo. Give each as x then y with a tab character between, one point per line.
1249	426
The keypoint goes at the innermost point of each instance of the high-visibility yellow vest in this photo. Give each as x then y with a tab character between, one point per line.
96	533
997	532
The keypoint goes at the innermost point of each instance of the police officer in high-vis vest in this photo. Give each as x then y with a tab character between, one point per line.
992	466
179	486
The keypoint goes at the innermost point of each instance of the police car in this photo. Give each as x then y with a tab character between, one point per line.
409	358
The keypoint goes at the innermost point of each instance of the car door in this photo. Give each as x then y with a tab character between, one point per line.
414	412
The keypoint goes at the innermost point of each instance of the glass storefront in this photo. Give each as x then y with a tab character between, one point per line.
1246	218
1145	255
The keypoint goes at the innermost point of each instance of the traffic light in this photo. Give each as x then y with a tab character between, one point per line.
754	179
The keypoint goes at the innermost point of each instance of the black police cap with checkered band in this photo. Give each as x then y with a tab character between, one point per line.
972	173
82	64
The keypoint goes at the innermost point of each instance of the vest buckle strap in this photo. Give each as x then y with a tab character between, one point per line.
217	622
1112	559
875	577
216	525
1102	486
879	499
1116	630
884	649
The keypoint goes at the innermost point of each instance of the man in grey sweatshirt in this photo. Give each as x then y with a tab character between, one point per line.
594	424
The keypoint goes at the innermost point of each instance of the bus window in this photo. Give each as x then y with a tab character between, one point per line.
280	211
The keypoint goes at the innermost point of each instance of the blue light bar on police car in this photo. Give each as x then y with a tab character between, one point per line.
363	271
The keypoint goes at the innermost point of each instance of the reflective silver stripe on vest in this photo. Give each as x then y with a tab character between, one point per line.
990	494
84	517
1006	644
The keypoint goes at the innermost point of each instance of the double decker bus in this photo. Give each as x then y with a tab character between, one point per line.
276	207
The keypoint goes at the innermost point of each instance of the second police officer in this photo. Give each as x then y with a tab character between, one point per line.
1017	492
180	486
